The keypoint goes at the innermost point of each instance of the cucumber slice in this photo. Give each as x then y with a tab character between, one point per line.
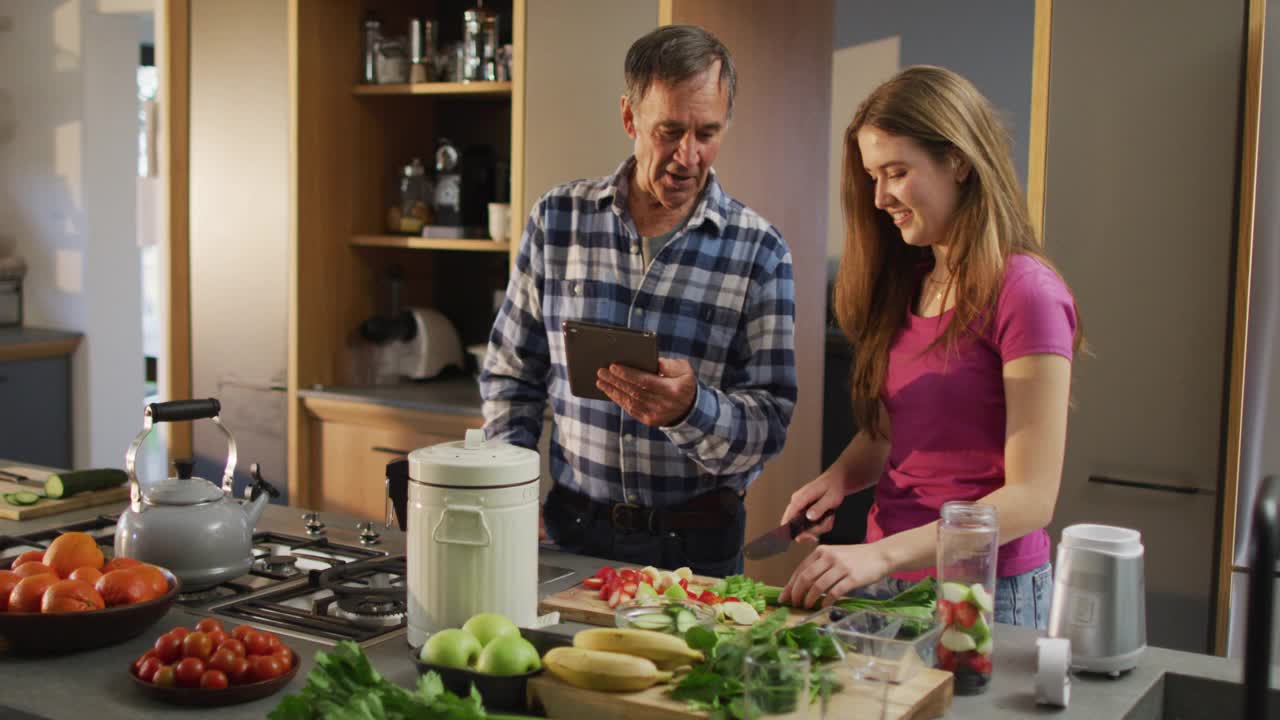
955	592
982	598
658	621
685	619
984	647
956	641
22	498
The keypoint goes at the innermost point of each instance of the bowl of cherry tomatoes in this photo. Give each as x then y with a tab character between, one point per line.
209	665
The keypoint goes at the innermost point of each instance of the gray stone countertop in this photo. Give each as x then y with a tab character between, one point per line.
26	335
95	683
456	395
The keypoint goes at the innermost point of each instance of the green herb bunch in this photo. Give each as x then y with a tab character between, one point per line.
716	685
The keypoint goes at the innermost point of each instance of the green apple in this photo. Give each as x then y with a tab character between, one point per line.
487	626
508	655
452	648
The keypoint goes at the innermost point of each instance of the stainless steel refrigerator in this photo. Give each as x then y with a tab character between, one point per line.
1260	429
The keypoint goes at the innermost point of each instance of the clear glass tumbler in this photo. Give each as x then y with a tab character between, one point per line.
968	540
776	683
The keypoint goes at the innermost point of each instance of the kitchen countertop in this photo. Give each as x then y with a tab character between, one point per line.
63	686
456	395
31	343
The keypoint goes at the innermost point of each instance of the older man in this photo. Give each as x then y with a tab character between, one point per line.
657	475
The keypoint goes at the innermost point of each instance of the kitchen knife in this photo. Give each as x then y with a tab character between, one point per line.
15	477
780	538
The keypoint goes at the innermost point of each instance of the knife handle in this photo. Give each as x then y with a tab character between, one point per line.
801	522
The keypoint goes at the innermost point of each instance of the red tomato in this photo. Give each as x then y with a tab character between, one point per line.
965	613
168	648
213	680
197	645
239	671
222	659
208	625
180	632
188	672
273	641
709	597
148	669
605	572
165	677
234	646
284	655
629	575
265	667
980	663
217	637
946	658
241	631
138	663
258	643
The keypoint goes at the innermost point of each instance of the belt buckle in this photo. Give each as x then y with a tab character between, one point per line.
619	511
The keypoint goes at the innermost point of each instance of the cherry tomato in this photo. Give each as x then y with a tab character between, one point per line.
284	655
138	663
197	645
234	646
258	644
188	672
165	676
213	680
273	641
239	671
180	632
168	648
208	625
148	669
265	667
222	659
241	631
217	637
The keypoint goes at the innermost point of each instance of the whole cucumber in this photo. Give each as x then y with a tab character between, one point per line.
76	481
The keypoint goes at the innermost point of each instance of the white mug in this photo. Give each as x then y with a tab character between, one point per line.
499	221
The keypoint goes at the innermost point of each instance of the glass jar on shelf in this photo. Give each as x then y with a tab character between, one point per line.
411	210
968	542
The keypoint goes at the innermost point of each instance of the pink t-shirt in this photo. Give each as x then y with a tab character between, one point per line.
947	410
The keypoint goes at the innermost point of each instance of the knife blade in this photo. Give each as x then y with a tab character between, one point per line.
780	538
15	477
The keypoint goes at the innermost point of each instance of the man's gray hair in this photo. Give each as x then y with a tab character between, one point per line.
674	53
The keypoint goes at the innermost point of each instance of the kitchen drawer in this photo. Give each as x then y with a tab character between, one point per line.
352	448
35	411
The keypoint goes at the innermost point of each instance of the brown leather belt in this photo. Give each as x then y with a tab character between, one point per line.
709	510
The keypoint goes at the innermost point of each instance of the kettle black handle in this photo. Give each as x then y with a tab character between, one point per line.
179	410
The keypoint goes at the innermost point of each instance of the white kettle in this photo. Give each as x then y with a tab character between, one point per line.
473	534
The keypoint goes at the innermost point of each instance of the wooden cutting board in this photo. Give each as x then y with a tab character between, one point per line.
582	604
927	695
47	506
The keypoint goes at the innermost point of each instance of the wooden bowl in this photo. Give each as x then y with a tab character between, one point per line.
68	632
230	695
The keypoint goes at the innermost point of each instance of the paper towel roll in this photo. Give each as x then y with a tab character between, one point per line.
1053	658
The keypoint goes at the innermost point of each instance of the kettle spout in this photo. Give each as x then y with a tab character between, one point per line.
261	492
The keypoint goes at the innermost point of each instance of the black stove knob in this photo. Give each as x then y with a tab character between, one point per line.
311	521
368	536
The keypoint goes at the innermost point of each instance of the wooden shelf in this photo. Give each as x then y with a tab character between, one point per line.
490	89
420	243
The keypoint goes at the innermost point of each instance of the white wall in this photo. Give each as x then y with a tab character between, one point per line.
67	196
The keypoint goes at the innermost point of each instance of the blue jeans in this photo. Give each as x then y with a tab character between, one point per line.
1020	599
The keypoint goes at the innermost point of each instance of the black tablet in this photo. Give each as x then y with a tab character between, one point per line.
591	346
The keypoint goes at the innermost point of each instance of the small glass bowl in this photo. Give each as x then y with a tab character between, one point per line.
629	614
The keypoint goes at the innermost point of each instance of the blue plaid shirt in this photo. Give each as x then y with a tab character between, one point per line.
720	294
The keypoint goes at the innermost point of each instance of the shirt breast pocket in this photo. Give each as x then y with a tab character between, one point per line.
580	299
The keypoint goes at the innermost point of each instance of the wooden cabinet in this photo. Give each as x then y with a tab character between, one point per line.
353	442
348	140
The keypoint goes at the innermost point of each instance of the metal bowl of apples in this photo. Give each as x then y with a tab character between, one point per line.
492	654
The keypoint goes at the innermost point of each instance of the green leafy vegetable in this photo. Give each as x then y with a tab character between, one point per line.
344	685
715	686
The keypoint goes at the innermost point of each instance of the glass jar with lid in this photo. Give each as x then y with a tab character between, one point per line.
411	210
968	543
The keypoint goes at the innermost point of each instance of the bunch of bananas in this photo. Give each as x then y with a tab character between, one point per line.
619	659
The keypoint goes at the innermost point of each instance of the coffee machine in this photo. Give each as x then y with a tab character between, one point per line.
466	183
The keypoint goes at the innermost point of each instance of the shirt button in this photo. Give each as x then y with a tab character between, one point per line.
639	312
635	248
576	289
629	437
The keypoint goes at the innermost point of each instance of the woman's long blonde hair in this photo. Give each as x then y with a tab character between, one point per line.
876	283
